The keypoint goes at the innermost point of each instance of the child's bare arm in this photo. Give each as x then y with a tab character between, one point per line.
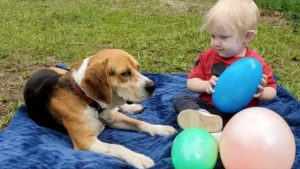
265	93
268	94
201	86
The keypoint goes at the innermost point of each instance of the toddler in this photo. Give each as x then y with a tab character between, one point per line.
232	24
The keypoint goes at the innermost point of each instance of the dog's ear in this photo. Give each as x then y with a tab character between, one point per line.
95	82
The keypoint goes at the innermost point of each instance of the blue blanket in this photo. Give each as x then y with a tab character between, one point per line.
23	144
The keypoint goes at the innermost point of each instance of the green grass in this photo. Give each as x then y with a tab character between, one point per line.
291	9
8	114
163	37
290	6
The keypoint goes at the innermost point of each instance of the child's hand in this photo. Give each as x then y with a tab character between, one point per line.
262	86
213	81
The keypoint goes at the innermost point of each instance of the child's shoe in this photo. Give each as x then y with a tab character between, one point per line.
217	137
201	118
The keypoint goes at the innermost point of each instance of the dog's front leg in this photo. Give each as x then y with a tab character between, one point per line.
137	160
122	121
132	108
84	137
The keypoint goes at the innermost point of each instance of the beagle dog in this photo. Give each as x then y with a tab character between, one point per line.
83	100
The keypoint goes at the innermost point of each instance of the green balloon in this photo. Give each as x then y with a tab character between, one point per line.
194	148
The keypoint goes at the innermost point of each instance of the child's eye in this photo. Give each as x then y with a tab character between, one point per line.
212	36
224	37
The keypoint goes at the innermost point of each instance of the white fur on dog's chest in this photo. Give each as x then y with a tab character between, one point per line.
93	120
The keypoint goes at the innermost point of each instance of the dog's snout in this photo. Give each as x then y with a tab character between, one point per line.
150	86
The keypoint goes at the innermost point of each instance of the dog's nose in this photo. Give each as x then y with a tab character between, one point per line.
150	86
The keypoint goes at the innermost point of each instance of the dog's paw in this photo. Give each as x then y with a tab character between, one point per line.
132	108
161	130
139	160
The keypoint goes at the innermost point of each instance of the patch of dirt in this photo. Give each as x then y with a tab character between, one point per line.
187	6
3	107
274	18
12	82
13	75
178	5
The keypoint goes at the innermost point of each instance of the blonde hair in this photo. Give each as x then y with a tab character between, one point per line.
238	15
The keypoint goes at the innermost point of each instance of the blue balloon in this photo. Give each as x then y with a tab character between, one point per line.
237	85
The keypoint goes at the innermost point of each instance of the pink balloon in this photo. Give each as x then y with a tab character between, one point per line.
257	138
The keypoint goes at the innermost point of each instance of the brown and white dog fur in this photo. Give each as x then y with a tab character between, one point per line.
110	78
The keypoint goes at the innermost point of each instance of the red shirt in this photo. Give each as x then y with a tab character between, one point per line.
206	60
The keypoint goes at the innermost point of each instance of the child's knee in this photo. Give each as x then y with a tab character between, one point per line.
178	98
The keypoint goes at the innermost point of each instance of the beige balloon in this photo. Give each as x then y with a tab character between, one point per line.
257	138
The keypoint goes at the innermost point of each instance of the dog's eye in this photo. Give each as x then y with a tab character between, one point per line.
126	74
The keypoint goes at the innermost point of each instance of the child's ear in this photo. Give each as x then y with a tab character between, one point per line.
250	35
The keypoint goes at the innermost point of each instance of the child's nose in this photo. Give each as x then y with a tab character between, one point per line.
216	42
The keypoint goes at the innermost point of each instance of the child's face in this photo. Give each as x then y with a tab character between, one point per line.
226	42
